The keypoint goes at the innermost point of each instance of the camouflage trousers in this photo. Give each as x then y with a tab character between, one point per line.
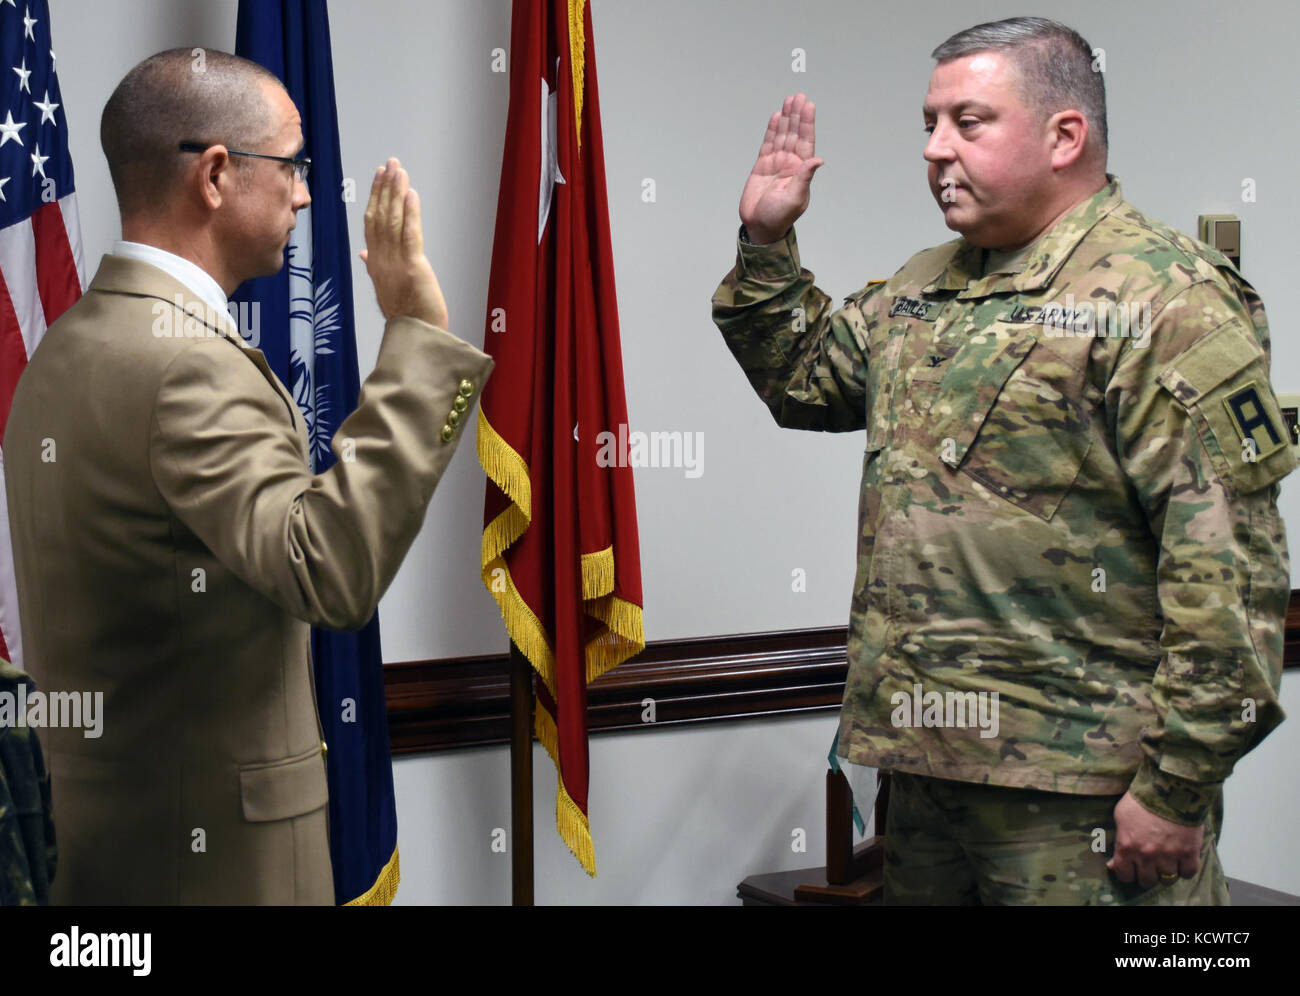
964	844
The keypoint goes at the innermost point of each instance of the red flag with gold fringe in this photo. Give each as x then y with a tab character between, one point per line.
560	552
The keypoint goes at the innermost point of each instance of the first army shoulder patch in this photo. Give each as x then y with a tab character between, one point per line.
1222	380
1253	422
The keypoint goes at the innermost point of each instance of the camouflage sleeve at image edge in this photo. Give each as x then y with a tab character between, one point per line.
807	364
1201	437
28	856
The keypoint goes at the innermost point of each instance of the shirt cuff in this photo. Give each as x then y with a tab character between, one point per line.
775	260
1172	798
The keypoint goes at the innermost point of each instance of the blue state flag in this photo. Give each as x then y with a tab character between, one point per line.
304	320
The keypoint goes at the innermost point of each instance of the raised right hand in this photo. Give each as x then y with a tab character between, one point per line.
777	190
394	255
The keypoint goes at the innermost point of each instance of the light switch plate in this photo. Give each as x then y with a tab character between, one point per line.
1223	231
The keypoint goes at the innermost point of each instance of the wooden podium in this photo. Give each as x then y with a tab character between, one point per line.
852	876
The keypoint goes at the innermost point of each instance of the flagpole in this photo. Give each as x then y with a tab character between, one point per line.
559	551
521	778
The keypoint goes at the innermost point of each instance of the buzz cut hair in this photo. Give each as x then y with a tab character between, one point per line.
1055	65
182	95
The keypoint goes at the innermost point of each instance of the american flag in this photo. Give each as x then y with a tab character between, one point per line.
41	268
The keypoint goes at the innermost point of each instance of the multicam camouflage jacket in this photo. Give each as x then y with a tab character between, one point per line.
27	850
1072	574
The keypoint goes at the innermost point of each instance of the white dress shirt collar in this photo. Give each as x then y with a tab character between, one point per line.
193	277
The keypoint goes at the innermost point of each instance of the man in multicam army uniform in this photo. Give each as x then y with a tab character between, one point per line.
1068	520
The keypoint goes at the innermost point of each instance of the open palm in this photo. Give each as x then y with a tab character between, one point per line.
777	191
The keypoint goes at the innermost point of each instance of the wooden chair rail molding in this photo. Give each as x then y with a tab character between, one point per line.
465	702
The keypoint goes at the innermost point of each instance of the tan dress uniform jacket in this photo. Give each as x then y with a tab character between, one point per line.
171	549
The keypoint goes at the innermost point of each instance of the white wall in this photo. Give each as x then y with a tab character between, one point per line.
686	87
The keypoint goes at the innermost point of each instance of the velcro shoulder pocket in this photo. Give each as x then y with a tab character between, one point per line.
1222	381
860	296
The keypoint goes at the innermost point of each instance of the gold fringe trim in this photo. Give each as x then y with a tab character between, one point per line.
501	532
577	61
547	733
525	629
574	829
506	467
570	821
597	573
384	891
624	635
622	617
508	471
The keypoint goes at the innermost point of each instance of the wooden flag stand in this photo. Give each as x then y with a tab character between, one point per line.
521	778
853	876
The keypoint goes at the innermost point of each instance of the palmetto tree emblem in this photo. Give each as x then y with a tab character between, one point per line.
314	328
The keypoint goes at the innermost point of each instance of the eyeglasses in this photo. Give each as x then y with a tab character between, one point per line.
300	166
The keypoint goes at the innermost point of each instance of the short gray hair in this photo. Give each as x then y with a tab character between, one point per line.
1055	64
181	95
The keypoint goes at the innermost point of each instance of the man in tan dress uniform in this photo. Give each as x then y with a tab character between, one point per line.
172	548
